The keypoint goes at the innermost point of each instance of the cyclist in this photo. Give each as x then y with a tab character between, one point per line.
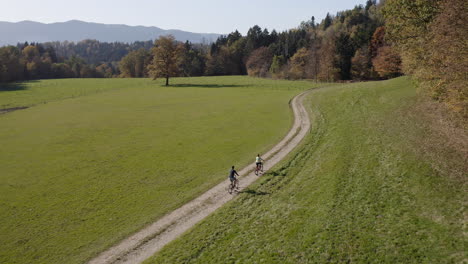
259	163
232	176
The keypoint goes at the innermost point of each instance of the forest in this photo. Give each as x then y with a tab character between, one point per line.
377	40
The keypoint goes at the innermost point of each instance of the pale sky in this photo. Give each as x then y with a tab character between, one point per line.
202	16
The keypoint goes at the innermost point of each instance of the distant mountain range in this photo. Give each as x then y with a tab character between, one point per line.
75	30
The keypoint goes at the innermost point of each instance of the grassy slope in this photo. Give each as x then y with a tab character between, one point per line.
80	173
358	190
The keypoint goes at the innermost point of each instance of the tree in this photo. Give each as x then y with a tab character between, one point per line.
254	38
407	26
220	63
213	66
445	77
327	70
259	62
409	19
377	41
166	58
277	65
370	3
11	66
135	64
61	70
233	37
298	63
360	65
327	22
238	57
33	62
313	65
387	63
193	60
30	53
345	52
431	38
104	71
76	64
87	71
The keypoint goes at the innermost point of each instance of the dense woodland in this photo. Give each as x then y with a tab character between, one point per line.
85	59
423	38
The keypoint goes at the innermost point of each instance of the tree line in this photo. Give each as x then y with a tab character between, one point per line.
84	59
348	45
378	40
425	39
338	48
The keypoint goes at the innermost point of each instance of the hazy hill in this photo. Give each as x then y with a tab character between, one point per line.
75	30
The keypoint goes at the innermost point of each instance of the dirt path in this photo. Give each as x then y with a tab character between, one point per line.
146	242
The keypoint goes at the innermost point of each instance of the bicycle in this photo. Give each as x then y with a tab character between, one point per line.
258	168
233	186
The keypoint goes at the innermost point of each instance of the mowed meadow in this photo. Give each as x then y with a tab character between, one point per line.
93	160
378	180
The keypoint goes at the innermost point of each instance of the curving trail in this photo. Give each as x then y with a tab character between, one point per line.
146	242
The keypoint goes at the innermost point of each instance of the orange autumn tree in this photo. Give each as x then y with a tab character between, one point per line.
167	56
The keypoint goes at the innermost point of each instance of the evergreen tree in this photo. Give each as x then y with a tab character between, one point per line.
326	22
345	52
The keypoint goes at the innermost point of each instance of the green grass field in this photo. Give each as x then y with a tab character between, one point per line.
368	185
93	160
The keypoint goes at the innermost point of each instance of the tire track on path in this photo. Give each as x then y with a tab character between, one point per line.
146	242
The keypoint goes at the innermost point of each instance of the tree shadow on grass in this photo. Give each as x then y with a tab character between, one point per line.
16	86
187	85
254	192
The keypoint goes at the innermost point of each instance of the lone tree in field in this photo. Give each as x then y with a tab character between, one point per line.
166	58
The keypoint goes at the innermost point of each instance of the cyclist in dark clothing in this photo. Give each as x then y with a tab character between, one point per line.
234	185
232	174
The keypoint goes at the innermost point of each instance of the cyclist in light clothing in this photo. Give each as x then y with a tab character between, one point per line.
259	163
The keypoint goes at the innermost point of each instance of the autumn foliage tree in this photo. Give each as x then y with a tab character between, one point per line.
327	70
387	62
167	56
259	62
37	64
407	25
360	65
446	76
298	64
431	38
377	41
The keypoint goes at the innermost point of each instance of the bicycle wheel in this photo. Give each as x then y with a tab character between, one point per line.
230	188
257	169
